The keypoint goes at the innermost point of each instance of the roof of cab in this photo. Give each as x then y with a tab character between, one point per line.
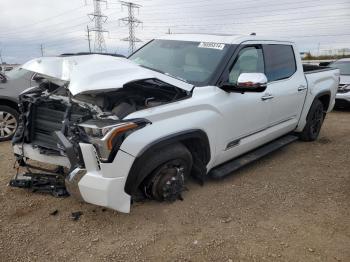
219	38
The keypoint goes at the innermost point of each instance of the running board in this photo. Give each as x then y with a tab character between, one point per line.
235	164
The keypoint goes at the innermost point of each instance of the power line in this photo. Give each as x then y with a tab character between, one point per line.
156	8
48	29
99	19
158	21
248	12
245	22
132	22
47	19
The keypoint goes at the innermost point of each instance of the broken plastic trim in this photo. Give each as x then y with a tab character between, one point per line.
43	183
51	182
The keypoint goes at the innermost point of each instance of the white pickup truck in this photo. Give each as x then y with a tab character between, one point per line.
187	104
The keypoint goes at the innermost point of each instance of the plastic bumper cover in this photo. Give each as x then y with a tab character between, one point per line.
343	96
101	183
343	99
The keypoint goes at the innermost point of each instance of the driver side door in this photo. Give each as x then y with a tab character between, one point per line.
246	114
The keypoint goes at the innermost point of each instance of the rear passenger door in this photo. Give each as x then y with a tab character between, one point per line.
286	87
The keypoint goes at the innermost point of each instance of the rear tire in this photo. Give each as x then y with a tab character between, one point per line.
8	122
314	122
166	171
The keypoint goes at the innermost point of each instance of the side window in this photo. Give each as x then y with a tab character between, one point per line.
280	61
250	60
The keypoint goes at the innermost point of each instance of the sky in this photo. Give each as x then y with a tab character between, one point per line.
60	26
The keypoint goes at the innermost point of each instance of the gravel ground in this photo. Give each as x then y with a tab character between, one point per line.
291	206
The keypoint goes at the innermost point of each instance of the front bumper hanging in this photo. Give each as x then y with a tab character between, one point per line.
52	181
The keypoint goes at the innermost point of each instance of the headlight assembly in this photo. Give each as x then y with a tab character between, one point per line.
107	135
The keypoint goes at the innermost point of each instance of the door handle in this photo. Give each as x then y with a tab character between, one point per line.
301	88
267	97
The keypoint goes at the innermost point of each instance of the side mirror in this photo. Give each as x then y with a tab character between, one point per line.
248	82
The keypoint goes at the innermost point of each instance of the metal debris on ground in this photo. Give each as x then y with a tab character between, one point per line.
43	183
76	215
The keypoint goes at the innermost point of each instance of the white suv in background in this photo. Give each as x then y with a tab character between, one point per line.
343	95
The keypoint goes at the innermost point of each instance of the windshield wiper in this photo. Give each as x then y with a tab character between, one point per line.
164	73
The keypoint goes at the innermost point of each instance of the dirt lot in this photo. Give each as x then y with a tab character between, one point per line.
291	206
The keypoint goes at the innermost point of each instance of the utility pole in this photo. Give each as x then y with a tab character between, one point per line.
1	57
132	22
42	49
88	37
99	19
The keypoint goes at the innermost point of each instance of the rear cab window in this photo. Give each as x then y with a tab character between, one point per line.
279	61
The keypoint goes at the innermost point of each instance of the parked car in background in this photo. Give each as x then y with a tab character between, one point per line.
8	68
11	85
181	105
2	78
343	94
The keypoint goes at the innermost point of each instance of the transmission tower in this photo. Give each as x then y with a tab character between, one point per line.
132	22
99	19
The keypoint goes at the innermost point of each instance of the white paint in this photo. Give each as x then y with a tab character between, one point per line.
96	73
223	116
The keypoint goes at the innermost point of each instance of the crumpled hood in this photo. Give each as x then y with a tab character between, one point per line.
96	73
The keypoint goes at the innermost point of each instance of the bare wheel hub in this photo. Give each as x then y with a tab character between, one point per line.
168	181
8	124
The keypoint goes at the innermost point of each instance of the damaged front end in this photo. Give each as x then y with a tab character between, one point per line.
81	135
54	124
51	129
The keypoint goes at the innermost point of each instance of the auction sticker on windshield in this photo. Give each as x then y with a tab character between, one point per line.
212	45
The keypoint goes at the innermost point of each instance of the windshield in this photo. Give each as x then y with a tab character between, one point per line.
17	73
194	62
343	66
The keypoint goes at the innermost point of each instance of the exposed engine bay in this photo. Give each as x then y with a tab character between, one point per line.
87	117
136	96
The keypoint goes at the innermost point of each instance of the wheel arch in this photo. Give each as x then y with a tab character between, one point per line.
195	140
9	102
325	98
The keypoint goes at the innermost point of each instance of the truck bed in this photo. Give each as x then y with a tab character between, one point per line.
322	80
315	68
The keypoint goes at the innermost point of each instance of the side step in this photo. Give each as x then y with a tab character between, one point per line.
237	163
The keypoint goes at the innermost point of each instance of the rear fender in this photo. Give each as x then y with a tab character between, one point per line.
307	106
